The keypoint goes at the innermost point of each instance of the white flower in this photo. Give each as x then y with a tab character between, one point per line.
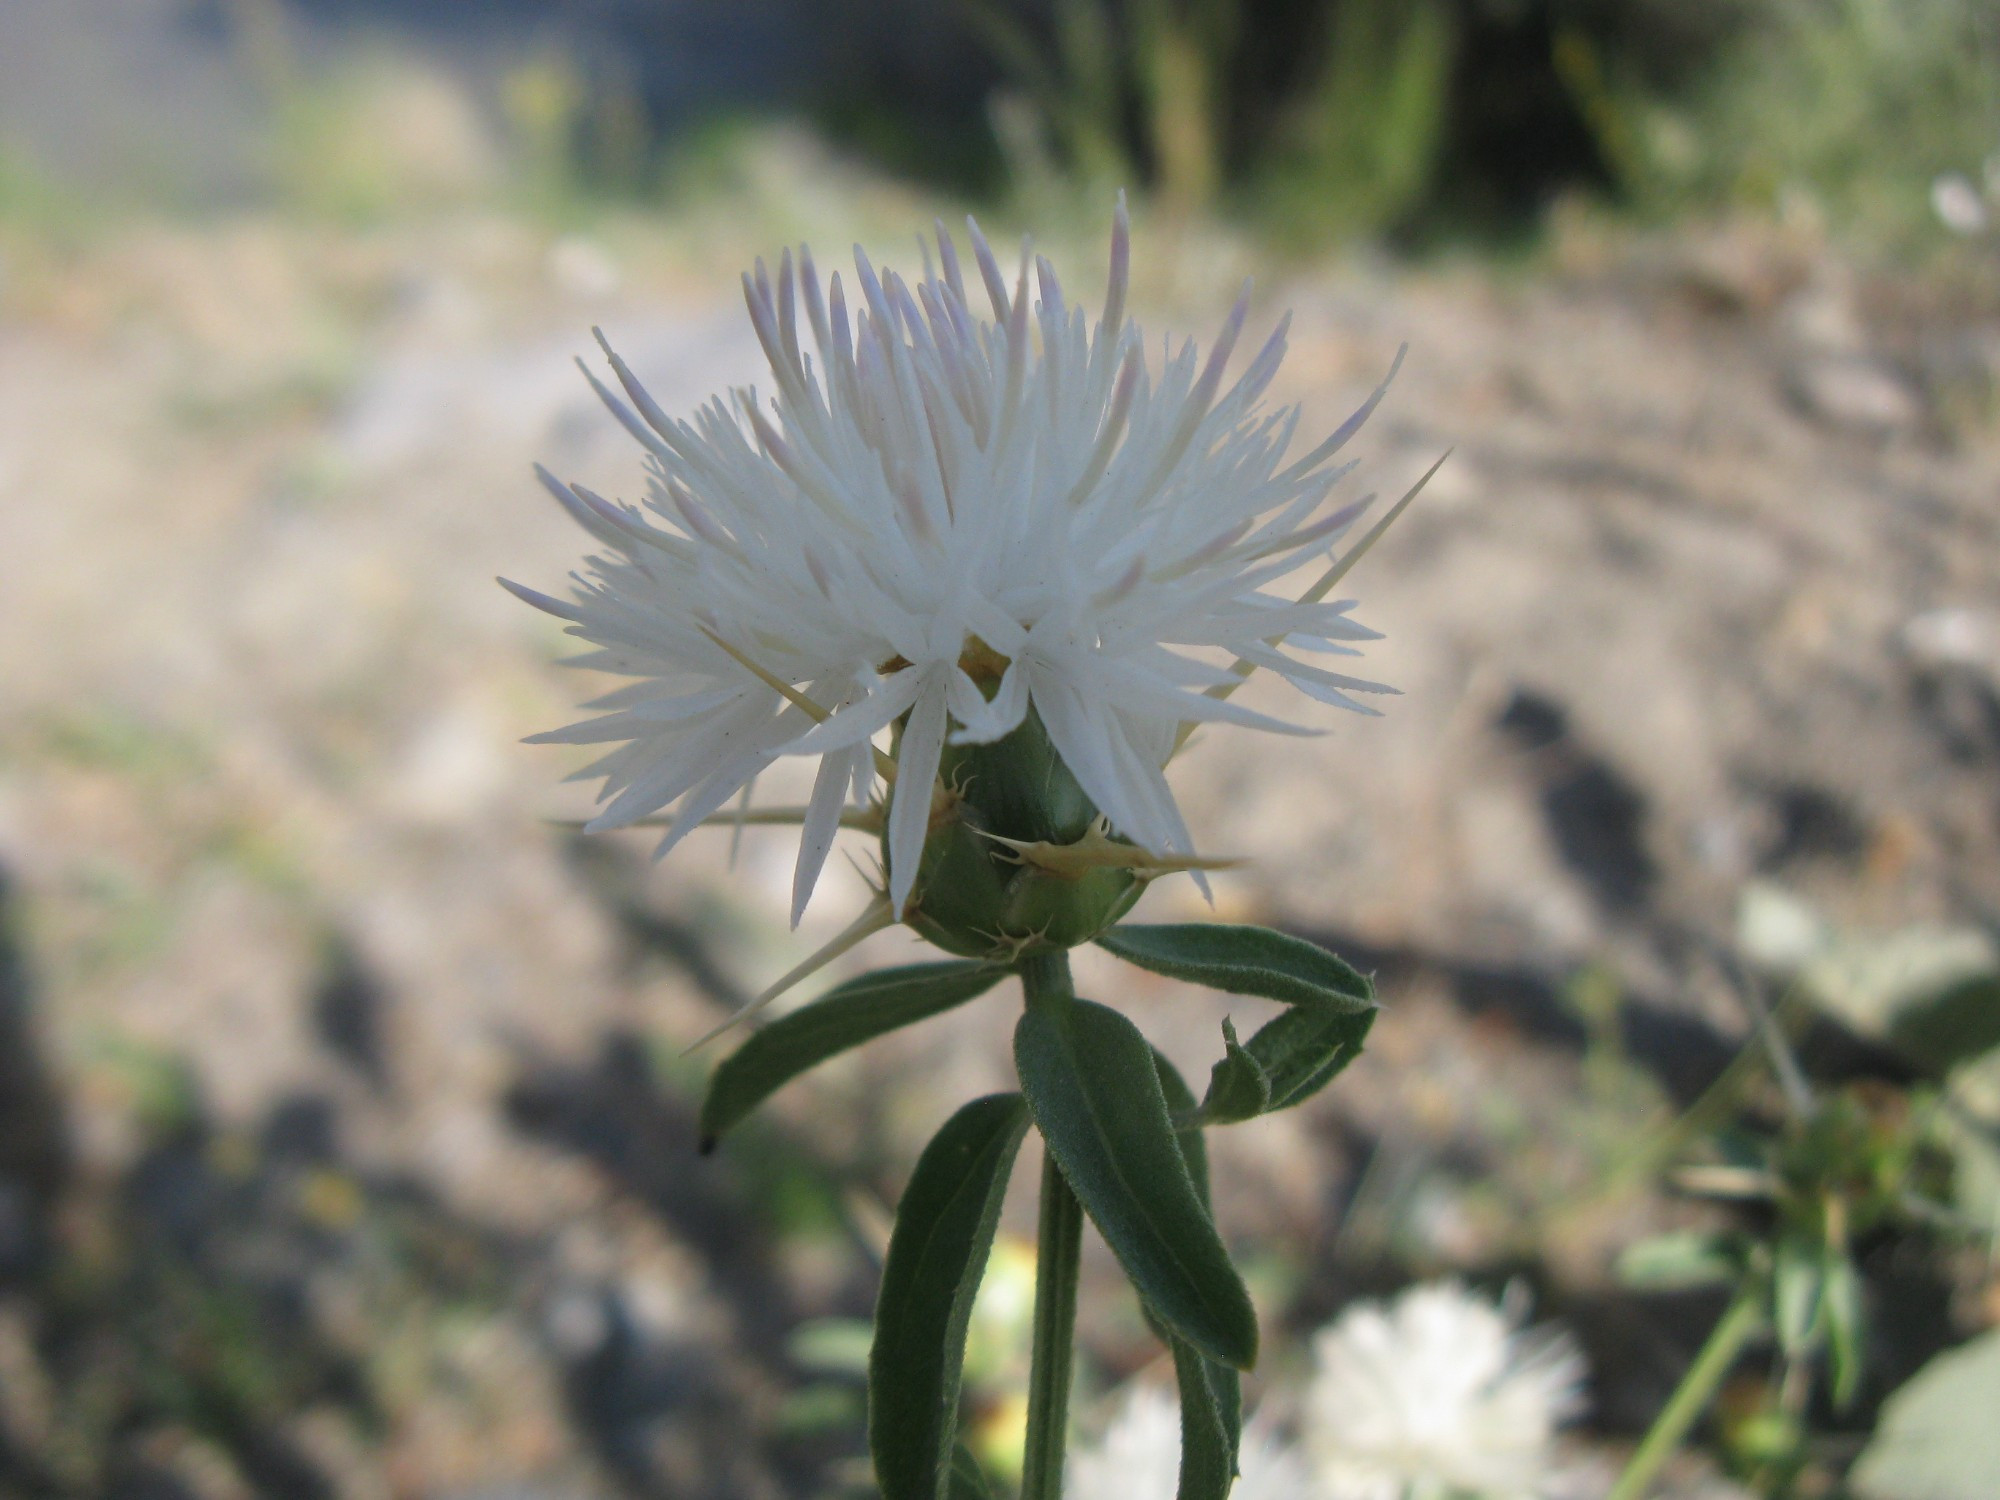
1138	1457
1438	1394
948	521
1957	203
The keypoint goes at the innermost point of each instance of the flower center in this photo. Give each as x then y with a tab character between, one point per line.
982	663
978	660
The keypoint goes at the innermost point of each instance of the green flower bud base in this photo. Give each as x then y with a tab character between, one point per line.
974	895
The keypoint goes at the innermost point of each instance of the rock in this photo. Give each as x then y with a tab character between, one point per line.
1956	637
1854	393
451	769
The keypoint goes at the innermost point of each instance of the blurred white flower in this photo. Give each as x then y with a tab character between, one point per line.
582	268
1138	1457
1436	1394
947	522
1957	203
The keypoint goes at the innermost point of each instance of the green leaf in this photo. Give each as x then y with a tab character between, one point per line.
832	1345
850	1014
1211	1424
1932	994
1680	1262
1180	1108
1797	1277
1301	1051
1211	1394
1840	1296
1970	1128
1290	1058
937	1252
1243	961
1238	1086
1936	1439
967	1482
1091	1082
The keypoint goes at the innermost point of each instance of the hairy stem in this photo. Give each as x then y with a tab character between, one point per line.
1046	980
1692	1395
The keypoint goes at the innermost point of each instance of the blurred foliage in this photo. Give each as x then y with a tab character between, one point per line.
1324	120
1359	150
1332	119
1937	1440
1313	121
1850	107
1837	1187
1191	97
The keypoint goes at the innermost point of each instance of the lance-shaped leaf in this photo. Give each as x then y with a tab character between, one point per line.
1244	961
1680	1261
1211	1394
1211	1423
1238	1087
1840	1297
1798	1277
1288	1060
968	1481
937	1253
1292	1057
1180	1105
846	1016
1090	1080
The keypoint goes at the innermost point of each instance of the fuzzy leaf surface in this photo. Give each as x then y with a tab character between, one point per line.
1211	1394
845	1017
1090	1080
1300	1052
1238	1087
1243	961
937	1253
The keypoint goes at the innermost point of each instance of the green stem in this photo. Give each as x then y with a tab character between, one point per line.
1046	980
1058	1251
1691	1396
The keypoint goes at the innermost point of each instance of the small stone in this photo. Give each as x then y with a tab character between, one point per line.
576	1322
1855	393
451	770
1955	637
1777	930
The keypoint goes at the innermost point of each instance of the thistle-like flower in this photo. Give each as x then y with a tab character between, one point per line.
1438	1395
949	528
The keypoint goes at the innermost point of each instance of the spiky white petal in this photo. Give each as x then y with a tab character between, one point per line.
954	519
1438	1395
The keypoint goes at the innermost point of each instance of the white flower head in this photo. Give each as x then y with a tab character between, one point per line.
1957	203
1138	1457
1438	1393
948	522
